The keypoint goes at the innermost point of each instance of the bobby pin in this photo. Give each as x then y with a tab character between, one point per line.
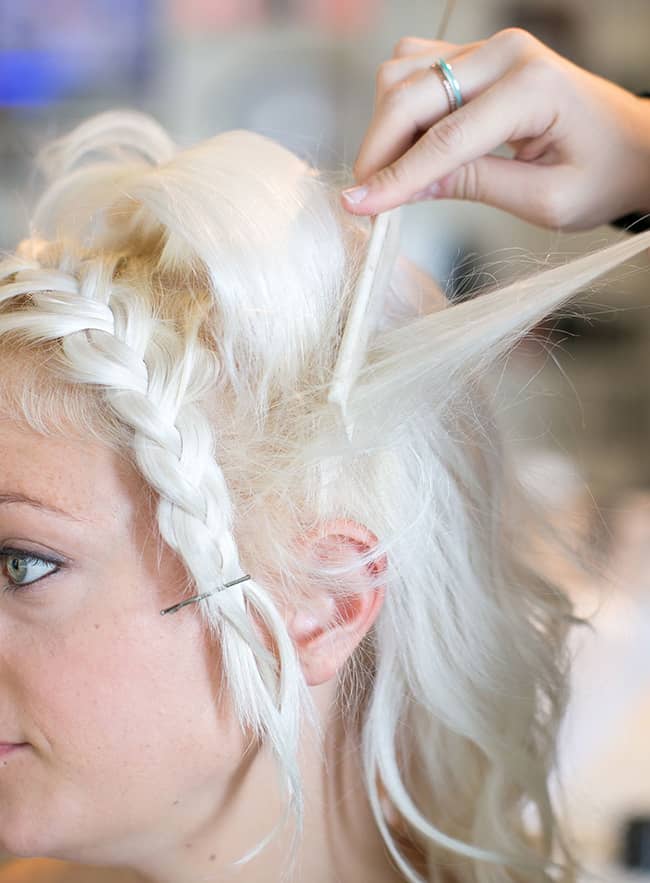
233	582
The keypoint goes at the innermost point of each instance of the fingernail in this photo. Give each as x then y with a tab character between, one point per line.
355	195
431	190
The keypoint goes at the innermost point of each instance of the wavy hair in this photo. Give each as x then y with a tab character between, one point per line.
185	307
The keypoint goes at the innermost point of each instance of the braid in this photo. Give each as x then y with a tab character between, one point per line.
153	379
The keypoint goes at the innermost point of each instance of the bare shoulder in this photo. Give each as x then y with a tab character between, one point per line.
46	870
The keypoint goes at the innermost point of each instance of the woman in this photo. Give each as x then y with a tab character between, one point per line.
367	678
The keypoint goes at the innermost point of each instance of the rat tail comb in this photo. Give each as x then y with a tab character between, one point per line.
365	309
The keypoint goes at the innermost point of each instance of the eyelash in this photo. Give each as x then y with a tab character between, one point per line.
28	558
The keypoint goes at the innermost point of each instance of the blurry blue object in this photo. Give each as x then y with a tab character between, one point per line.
65	48
28	78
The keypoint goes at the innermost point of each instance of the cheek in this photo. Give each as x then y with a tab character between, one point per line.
126	725
139	697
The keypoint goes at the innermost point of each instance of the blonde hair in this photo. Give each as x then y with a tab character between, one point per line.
185	307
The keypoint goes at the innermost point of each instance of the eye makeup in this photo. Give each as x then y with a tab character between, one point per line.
26	557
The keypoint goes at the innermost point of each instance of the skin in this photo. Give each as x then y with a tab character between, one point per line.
132	764
579	144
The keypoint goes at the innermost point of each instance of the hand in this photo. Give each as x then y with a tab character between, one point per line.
581	144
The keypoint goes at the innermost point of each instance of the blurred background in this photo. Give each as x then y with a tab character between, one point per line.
576	398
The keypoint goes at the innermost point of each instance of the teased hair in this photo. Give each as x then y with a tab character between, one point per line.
185	307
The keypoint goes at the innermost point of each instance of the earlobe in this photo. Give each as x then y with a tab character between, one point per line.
327	632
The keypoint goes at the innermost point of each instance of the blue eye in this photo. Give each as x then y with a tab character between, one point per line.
16	564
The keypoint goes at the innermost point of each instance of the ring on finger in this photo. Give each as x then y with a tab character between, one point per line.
449	82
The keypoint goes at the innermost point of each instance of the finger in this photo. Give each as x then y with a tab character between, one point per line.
415	104
413	45
517	105
477	66
540	194
402	115
393	71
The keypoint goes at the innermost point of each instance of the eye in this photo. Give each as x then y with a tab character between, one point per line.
16	564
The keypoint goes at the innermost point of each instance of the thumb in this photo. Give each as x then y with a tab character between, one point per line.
536	193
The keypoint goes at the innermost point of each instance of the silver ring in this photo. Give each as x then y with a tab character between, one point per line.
450	83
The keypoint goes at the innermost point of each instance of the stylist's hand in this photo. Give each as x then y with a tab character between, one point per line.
581	144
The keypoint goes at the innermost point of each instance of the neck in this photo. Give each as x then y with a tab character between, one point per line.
340	842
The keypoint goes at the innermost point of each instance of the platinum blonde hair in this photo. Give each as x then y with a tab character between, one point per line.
185	306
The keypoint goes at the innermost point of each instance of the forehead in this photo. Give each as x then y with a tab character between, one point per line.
85	479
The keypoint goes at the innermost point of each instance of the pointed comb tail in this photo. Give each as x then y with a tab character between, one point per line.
365	309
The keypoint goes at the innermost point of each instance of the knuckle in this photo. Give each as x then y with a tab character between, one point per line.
468	184
391	176
385	76
554	208
517	40
405	46
538	69
446	136
393	96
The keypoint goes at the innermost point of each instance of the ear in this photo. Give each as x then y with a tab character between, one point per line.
327	632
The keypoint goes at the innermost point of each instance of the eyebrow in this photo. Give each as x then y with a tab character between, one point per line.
37	504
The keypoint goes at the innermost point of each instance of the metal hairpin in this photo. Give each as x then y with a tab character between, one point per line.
233	582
